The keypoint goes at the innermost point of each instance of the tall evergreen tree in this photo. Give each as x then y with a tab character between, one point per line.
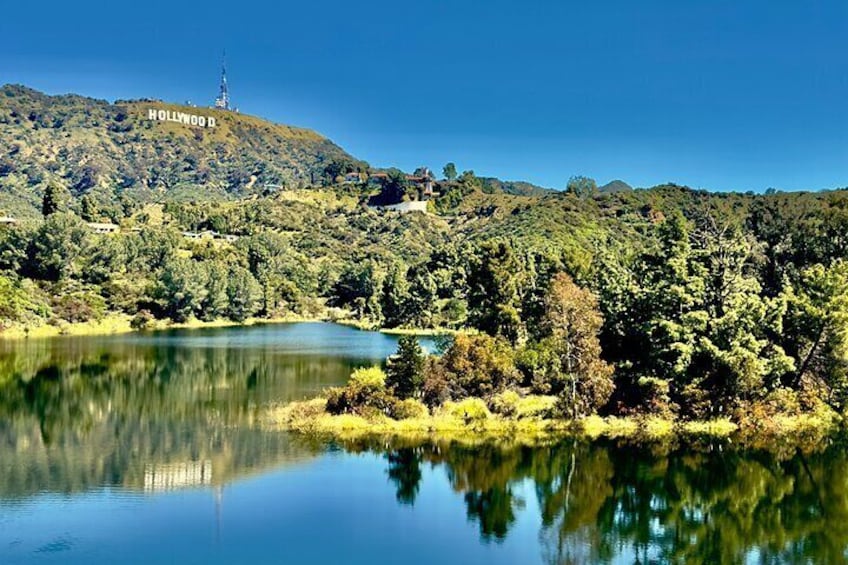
405	369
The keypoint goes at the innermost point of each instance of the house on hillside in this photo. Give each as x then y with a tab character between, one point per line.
423	180
103	228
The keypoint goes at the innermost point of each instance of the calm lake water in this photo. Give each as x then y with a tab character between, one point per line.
145	449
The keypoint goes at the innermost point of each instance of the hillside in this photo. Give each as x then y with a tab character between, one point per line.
615	186
109	149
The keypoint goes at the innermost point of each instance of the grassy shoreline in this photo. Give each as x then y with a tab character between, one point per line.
309	418
114	324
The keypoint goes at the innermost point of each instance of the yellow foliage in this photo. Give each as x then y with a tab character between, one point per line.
369	377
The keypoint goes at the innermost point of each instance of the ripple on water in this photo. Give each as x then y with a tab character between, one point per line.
57	545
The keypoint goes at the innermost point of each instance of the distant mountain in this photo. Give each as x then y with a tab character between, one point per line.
518	188
615	186
93	146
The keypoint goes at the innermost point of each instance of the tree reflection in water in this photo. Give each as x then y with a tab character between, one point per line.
81	414
600	503
143	417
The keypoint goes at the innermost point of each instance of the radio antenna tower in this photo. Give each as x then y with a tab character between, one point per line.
223	100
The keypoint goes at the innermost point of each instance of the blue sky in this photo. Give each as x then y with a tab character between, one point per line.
725	95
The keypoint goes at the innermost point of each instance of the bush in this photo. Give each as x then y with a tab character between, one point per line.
476	366
368	377
537	407
142	321
655	398
436	390
469	410
505	403
79	307
364	395
409	408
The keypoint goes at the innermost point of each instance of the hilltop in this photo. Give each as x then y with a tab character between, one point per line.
108	149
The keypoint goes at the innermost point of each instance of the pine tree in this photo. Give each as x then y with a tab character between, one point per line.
405	370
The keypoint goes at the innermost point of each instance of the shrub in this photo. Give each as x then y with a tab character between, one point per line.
409	408
365	395
536	406
142	321
435	391
655	398
476	366
368	377
469	410
505	403
79	307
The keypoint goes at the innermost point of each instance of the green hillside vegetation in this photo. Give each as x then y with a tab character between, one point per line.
112	152
615	186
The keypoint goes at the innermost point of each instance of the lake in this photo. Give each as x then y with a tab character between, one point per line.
146	448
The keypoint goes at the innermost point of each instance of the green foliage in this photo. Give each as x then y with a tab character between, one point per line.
181	289
372	378
816	332
473	366
493	290
582	187
449	171
469	410
79	307
17	303
243	294
405	369
57	248
55	199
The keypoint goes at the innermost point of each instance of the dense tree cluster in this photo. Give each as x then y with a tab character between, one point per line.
665	301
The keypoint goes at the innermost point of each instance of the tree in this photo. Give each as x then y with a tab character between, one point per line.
816	331
55	199
473	366
493	290
571	324
394	298
181	288
57	249
356	288
405	369
395	187
422	296
449	171
243	293
88	209
215	302
582	186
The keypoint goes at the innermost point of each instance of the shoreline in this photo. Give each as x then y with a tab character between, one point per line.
309	418
117	324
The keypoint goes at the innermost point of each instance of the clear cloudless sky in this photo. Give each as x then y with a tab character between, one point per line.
718	94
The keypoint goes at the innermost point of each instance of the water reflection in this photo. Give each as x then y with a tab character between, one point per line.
606	503
148	411
111	421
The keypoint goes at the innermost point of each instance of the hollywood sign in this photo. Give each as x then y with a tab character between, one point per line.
181	118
